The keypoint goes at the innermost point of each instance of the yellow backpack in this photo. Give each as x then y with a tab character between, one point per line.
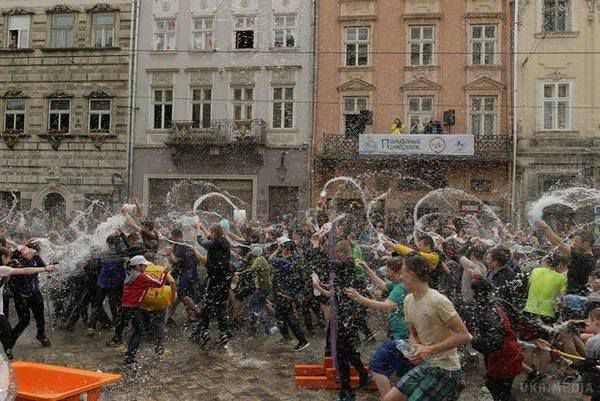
158	298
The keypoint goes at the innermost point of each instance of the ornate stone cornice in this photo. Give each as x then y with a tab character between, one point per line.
61	9
99	95
102	8
59	95
14	94
18	11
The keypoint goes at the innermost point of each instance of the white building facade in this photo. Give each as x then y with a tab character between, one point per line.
223	94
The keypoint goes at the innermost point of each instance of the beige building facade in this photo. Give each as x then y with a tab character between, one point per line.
64	74
558	96
416	61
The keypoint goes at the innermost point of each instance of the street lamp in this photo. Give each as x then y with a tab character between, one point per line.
282	169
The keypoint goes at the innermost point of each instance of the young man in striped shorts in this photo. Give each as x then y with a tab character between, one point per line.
436	331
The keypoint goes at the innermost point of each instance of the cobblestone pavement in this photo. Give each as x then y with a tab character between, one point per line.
249	370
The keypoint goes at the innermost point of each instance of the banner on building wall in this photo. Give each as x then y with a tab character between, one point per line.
447	145
470	207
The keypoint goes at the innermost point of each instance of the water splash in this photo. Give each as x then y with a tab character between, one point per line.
209	195
571	198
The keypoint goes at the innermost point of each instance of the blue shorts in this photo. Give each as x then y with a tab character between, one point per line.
186	287
388	360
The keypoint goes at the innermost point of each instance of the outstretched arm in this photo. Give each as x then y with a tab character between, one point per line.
28	271
384	306
375	279
553	237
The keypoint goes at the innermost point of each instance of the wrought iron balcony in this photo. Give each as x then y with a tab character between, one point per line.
220	133
487	147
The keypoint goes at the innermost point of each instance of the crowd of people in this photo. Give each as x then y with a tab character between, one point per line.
445	291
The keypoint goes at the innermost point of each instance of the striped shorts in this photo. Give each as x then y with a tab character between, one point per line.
428	383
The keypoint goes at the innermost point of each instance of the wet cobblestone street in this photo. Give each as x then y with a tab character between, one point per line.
248	370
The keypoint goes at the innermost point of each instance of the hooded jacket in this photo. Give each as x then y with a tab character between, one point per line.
112	270
136	286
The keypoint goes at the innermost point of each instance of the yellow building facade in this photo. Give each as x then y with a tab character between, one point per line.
558	96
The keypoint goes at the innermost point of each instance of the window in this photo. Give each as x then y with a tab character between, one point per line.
557	106
284	31
18	31
483	115
202	34
163	108
244	32
100	115
62	30
283	107
10	199
164	34
59	115
420	112
422	43
14	117
103	30
201	107
354	121
357	46
483	44
556	15
243	100
481	185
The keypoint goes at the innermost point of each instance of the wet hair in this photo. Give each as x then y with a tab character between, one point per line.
33	245
427	240
5	252
594	314
217	230
585	236
112	240
395	263
176	233
418	265
149	224
133	237
150	256
344	249
556	259
499	254
478	252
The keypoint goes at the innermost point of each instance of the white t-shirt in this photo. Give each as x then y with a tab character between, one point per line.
5	271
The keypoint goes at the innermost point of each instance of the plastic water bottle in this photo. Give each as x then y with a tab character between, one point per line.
315	279
405	347
484	394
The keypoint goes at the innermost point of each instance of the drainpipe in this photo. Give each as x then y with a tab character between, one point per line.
132	82
314	105
516	22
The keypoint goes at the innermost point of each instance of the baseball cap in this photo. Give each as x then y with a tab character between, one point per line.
139	260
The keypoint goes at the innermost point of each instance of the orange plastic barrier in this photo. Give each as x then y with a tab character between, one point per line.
323	377
38	382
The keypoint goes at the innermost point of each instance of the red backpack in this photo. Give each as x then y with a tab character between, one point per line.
505	363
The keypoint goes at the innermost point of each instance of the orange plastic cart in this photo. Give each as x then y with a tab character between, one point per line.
38	382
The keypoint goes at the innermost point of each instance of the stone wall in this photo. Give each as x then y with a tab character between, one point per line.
83	164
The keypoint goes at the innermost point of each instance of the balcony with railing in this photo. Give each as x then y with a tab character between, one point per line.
224	133
486	148
222	138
